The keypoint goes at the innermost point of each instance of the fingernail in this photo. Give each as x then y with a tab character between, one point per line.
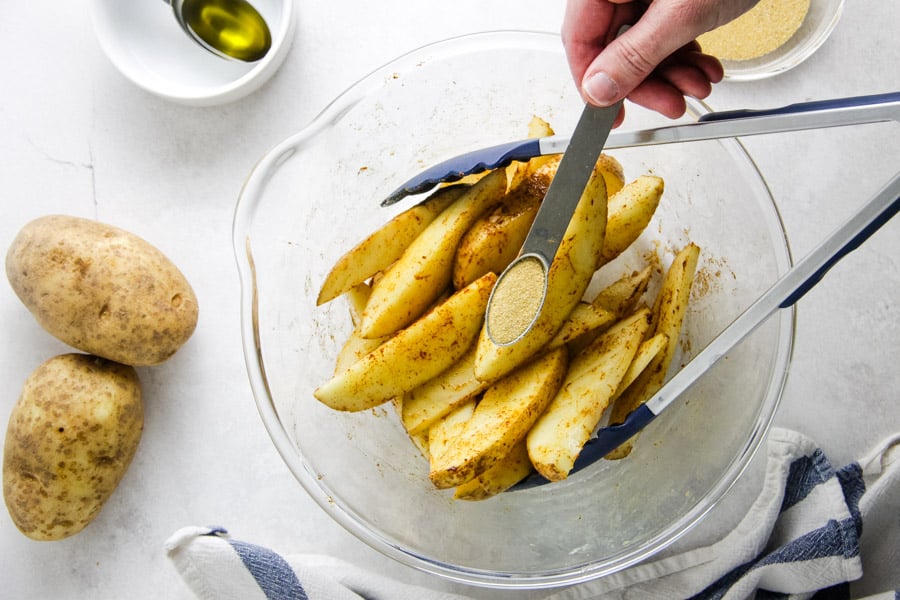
600	89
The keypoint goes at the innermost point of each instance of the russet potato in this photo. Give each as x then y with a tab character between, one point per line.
101	289
70	439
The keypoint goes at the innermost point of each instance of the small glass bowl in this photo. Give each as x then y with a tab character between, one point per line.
318	192
820	21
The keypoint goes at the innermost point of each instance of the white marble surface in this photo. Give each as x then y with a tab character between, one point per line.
79	138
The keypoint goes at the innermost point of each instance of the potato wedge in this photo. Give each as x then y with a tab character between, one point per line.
537	128
582	362
501	420
384	246
618	299
630	211
357	298
354	348
647	351
622	296
613	174
414	355
494	240
668	317
510	470
583	319
420	441
425	269
567	280
446	430
560	433
427	403
436	397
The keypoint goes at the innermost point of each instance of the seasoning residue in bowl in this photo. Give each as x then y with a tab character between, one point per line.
760	31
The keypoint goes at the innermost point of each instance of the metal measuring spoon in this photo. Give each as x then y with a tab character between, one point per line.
230	29
518	296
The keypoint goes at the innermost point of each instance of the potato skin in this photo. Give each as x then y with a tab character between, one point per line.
70	439
101	289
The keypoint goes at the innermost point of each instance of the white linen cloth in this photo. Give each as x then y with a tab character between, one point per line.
800	539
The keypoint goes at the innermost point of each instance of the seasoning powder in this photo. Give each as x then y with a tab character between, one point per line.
764	28
516	301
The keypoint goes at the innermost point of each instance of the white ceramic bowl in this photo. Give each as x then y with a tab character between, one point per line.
817	26
317	194
144	41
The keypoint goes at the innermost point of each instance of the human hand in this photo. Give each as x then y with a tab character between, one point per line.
656	62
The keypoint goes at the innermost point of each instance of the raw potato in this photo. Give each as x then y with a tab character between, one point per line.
357	297
70	439
425	269
537	128
384	246
354	349
413	356
613	174
427	403
584	319
568	277
620	298
560	433
486	416
494	240
447	429
501	420
669	310
630	211
647	351
623	295
510	470
102	290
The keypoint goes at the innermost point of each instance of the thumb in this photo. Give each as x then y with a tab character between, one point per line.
632	56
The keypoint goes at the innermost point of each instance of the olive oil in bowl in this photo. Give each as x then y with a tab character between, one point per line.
230	28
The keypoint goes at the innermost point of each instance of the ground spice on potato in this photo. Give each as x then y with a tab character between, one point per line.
516	300
763	29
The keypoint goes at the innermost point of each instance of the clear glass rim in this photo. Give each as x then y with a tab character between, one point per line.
247	204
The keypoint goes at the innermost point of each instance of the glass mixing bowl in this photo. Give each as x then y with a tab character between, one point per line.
317	193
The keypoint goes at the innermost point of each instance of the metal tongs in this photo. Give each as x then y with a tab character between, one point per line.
793	285
784	293
794	117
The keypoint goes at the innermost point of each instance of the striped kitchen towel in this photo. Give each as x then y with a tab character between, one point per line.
800	539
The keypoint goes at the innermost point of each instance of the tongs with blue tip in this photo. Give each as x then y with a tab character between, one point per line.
784	293
794	117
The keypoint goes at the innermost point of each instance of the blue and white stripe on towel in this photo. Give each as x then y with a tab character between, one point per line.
805	544
272	573
217	567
